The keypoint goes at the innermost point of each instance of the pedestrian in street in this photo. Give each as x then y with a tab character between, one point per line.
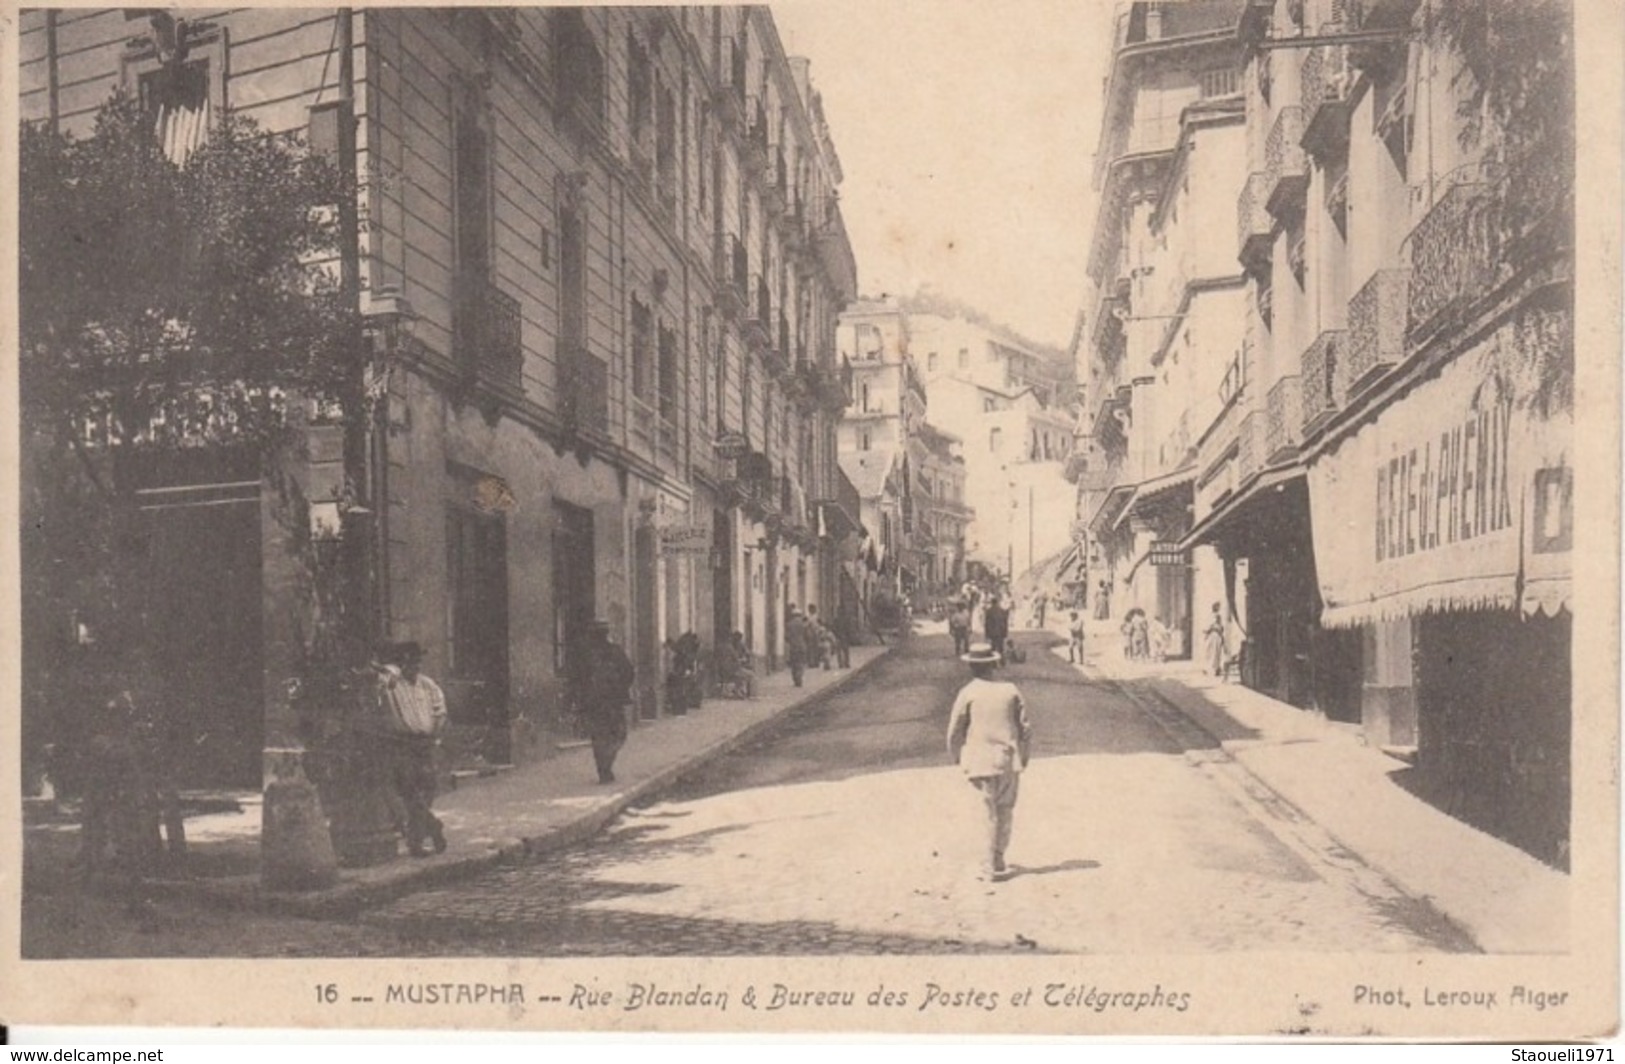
605	692
415	708
959	627
990	737
843	630
996	623
795	644
822	652
1074	646
1214	634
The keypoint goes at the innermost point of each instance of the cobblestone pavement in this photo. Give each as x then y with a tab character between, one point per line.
848	832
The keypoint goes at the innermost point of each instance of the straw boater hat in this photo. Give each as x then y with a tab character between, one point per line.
981	654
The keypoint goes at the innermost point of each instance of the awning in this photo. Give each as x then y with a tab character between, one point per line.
1110	508
1240	506
1157	487
1459	496
837	522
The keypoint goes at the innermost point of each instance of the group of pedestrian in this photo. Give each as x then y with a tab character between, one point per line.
809	642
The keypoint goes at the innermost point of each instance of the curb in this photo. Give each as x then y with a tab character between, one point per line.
349	899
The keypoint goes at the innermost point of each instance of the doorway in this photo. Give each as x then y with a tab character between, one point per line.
477	571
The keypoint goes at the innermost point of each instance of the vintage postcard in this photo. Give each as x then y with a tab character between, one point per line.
900	517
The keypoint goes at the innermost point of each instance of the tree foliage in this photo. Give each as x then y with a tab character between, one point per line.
166	310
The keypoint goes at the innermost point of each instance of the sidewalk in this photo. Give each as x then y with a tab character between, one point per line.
1506	900
489	821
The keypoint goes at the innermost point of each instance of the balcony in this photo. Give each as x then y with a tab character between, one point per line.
1287	164
1376	341
1327	79
1255	228
1283	421
489	331
1453	260
778	350
1320	374
583	386
775	189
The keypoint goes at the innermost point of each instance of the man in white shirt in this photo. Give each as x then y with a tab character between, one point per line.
990	736
416	708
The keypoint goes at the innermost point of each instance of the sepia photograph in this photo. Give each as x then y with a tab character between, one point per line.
1055	517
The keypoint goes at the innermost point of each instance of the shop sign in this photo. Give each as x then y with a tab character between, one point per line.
685	539
1168	554
1456	497
731	444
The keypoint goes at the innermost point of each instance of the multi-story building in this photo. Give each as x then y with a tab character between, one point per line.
614	235
1010	402
1161	342
941	510
1388	481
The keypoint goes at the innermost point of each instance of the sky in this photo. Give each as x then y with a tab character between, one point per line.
966	130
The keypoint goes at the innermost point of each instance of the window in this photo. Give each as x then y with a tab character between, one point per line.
642	355
1221	81
863	440
964	358
863	404
666	148
670	387
707	368
177	99
472	170
995	440
639	87
988	404
578	68
931	362
572	278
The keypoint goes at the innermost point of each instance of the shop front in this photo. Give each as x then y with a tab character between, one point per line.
1451	516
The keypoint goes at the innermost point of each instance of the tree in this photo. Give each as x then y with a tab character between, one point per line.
165	310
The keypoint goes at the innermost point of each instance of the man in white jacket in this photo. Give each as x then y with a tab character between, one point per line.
990	736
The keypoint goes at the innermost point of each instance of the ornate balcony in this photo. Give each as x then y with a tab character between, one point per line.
1288	165
1453	259
1255	228
583	387
489	331
1320	375
1283	422
1327	79
1376	341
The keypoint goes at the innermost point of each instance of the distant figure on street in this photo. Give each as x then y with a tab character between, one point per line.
795	644
416	710
1103	601
1214	634
1074	645
842	629
822	650
959	627
683	680
734	667
605	692
990	737
996	623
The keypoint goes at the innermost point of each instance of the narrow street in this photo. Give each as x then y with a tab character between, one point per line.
848	832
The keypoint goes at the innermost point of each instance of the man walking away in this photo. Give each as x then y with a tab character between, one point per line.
990	737
606	691
795	644
417	713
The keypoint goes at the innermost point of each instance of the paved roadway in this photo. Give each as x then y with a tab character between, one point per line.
848	832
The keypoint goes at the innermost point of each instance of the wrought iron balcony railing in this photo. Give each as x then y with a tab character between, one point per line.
1283	422
1250	446
1376	343
1320	375
490	331
583	389
1255	227
1454	253
1327	79
1288	165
